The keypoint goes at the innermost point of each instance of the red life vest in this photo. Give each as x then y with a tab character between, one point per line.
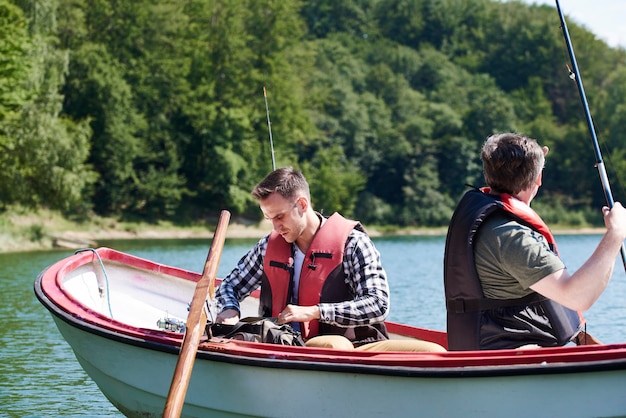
526	214
322	279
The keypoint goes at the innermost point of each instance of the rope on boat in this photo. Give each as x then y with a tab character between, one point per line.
106	278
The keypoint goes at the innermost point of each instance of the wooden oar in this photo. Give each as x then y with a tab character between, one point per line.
196	322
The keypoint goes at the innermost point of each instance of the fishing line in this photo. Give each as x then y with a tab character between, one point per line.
269	127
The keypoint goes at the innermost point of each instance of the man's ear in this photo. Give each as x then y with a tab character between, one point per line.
303	203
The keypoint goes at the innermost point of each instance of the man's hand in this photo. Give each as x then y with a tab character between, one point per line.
295	313
228	316
615	219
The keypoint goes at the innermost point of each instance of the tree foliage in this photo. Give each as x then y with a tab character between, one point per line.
44	156
155	109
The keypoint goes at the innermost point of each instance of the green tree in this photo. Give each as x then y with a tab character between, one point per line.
401	21
334	183
238	49
162	103
96	91
46	165
128	76
15	66
352	17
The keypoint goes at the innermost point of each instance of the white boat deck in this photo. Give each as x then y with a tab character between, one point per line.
135	296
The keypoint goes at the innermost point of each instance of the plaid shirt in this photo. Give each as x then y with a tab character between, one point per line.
364	276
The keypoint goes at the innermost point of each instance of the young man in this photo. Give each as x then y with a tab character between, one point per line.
322	275
505	285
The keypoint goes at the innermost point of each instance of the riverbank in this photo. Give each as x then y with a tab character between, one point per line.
25	231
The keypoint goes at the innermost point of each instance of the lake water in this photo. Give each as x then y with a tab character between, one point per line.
40	377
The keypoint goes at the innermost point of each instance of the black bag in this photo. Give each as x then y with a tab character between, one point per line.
260	330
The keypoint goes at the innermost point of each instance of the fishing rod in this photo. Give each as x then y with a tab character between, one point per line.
575	75
269	127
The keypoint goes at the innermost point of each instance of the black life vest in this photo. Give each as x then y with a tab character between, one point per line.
478	323
322	280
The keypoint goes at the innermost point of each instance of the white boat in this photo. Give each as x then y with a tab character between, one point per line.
108	304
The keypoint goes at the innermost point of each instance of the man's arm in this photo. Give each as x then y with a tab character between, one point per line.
243	280
368	282
580	290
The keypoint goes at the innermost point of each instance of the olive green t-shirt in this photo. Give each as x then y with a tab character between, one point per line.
511	257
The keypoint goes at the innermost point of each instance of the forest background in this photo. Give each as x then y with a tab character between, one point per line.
154	112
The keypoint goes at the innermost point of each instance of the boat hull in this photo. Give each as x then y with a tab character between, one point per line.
133	367
136	381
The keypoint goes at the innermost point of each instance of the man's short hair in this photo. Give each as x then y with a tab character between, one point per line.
511	162
286	181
